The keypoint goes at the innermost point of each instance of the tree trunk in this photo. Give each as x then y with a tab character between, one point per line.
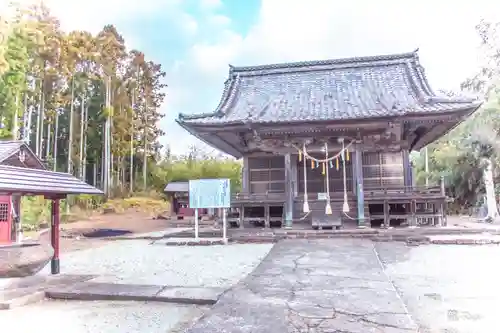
70	141
56	136
47	146
82	137
42	120
489	185
86	128
37	132
145	161
15	127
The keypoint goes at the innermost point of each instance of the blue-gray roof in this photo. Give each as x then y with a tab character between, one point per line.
17	180
177	187
10	147
341	89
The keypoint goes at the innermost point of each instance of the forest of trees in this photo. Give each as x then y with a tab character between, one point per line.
80	95
87	97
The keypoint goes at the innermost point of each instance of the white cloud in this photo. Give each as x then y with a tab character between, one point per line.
210	4
290	30
189	24
92	15
219	20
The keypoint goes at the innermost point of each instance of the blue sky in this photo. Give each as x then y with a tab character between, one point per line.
196	40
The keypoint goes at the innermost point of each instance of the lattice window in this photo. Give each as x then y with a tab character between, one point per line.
4	212
383	170
267	174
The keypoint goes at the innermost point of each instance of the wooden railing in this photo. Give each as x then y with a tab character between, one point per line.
268	196
435	190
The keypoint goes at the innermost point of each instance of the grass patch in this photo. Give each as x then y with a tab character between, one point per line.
36	211
153	206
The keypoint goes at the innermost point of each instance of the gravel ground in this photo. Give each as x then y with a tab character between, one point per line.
137	262
91	317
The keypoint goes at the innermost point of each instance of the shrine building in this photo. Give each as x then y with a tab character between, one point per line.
326	143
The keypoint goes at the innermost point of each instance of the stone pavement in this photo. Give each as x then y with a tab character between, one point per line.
361	286
313	286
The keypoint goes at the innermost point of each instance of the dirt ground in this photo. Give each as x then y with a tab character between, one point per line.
132	222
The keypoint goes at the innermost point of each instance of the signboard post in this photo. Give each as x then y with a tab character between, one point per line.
210	193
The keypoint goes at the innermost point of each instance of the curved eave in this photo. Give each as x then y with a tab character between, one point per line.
429	138
212	140
467	109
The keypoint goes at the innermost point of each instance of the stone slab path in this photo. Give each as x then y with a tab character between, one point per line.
313	286
93	291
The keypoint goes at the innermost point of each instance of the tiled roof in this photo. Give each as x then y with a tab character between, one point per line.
177	187
342	89
33	181
9	148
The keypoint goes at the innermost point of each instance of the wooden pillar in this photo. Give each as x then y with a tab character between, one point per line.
442	205
288	191
16	218
295	175
245	176
413	209
267	217
408	181
387	216
242	216
358	180
54	236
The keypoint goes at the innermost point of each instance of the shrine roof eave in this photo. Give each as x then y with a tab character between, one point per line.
450	126
27	181
213	140
194	126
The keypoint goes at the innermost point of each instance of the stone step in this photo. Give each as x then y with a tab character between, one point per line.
93	291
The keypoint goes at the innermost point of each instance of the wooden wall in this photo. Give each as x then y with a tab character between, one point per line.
383	170
266	174
380	170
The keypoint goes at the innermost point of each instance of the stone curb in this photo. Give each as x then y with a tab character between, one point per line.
22	300
73	296
465	241
93	291
192	243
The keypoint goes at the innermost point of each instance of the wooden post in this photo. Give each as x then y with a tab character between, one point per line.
413	209
196	224
224	225
267	218
387	217
288	191
442	210
54	236
245	179
407	170
242	216
358	180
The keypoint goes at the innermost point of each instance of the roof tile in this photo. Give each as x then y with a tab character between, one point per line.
341	89
34	181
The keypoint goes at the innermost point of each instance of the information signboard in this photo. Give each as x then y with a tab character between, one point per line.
209	193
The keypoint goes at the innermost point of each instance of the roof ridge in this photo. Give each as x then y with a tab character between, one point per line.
339	61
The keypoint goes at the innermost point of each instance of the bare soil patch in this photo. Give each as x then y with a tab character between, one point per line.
103	228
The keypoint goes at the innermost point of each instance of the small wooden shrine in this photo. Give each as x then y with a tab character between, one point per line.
14	153
327	143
